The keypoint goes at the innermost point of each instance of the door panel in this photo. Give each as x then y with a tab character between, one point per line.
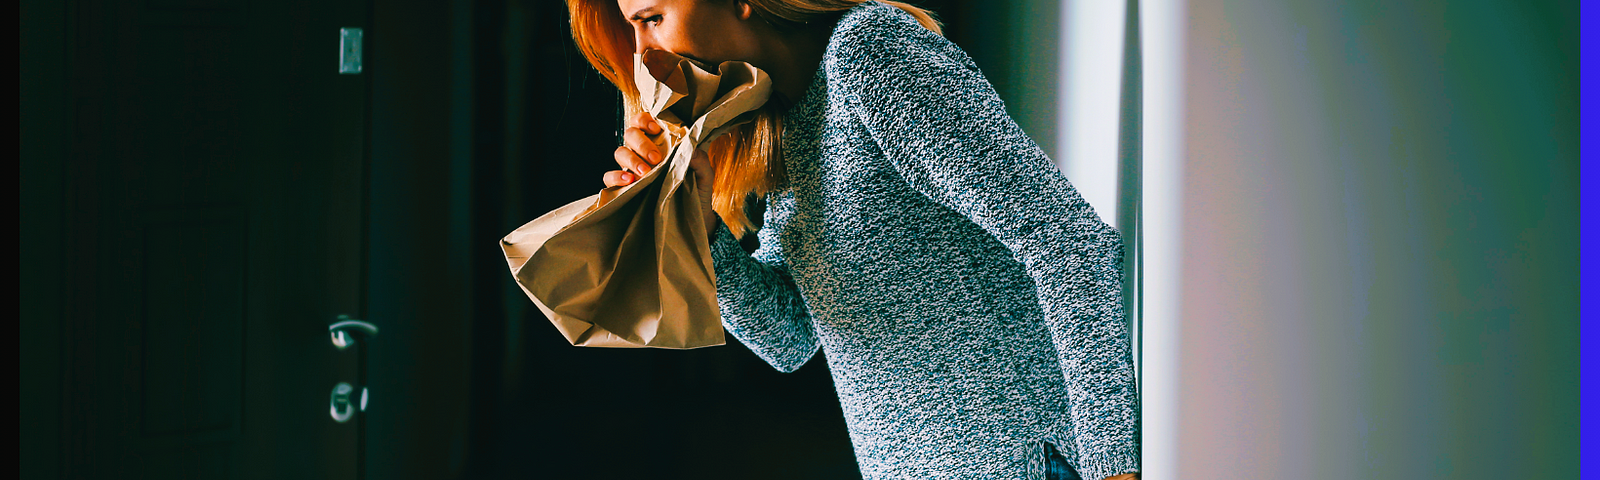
214	224
193	319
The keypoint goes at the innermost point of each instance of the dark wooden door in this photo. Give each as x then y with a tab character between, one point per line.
213	229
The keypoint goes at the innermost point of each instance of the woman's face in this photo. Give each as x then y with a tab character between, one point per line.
711	31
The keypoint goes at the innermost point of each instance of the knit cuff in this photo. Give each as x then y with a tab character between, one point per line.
1108	465
725	248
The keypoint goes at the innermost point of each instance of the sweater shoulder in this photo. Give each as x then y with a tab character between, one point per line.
875	38
877	44
869	24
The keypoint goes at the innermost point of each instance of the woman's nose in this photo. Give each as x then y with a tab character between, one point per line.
643	41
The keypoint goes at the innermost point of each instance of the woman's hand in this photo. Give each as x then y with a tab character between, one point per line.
638	155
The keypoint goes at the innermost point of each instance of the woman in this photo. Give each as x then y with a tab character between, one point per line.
966	298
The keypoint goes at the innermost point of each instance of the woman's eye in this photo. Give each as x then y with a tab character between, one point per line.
653	19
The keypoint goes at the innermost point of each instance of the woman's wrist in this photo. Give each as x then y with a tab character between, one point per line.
711	225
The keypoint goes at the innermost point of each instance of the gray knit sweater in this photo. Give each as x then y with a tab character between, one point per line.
966	298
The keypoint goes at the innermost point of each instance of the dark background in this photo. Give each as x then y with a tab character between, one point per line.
390	189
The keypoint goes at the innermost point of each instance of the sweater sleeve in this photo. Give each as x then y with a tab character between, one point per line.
759	301
943	127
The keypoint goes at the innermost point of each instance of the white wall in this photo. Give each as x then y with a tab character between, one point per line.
1089	90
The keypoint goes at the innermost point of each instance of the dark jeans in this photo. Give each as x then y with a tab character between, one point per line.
1057	468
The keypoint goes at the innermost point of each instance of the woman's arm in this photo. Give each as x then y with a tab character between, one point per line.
757	296
760	304
942	126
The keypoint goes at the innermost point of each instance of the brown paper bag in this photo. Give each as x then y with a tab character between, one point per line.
631	266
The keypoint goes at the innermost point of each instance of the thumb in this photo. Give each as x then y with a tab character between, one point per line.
704	171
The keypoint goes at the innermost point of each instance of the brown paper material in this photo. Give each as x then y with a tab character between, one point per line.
631	266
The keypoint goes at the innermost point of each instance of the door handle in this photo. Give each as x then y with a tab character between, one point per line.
341	407
340	329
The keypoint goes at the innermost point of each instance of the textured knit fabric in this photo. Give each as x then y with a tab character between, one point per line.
966	298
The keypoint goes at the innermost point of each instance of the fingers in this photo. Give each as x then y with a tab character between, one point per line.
642	146
631	161
644	121
700	161
638	154
617	178
704	174
704	171
641	152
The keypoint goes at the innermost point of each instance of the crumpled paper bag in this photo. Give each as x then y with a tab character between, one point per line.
631	266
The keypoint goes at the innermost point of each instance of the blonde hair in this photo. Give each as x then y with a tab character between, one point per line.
747	159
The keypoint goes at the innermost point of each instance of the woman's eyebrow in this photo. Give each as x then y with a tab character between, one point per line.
640	15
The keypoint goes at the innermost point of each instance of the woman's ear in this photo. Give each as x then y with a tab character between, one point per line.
745	10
